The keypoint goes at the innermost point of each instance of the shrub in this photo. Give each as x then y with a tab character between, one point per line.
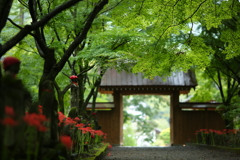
226	137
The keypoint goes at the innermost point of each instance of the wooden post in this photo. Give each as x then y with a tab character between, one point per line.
116	136
175	119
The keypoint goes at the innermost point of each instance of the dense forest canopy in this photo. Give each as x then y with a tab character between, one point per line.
159	25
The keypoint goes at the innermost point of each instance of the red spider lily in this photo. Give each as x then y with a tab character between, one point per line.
219	132
36	120
225	131
66	141
70	121
42	118
9	111
233	131
40	109
61	116
77	119
94	113
80	125
65	120
105	136
87	129
110	146
42	128
9	121
99	132
211	130
92	136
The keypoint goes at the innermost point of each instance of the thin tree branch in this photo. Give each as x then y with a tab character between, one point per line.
28	28
85	70
65	74
189	17
108	9
66	89
80	38
23	3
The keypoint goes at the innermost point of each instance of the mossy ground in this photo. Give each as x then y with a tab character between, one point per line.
96	153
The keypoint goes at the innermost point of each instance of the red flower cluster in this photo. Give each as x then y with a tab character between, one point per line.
219	132
40	109
61	117
83	128
67	141
66	120
77	119
100	133
225	137
80	125
9	111
86	130
36	120
8	120
91	131
31	119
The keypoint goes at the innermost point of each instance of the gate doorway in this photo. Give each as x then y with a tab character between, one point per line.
146	120
185	118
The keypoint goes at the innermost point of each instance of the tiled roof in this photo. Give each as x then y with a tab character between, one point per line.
114	79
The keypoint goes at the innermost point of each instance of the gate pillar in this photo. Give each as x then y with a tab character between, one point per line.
116	137
175	120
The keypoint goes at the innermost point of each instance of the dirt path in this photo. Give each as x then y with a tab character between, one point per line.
168	153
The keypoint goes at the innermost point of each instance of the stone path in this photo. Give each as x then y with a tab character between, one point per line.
169	153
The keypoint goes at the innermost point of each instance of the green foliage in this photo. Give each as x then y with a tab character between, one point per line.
206	89
170	19
129	134
234	113
30	69
165	135
163	122
148	112
104	98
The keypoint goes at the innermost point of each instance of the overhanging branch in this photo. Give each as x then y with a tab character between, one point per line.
28	28
58	67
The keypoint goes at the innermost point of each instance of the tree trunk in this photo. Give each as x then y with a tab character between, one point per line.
80	108
5	7
48	100
74	96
